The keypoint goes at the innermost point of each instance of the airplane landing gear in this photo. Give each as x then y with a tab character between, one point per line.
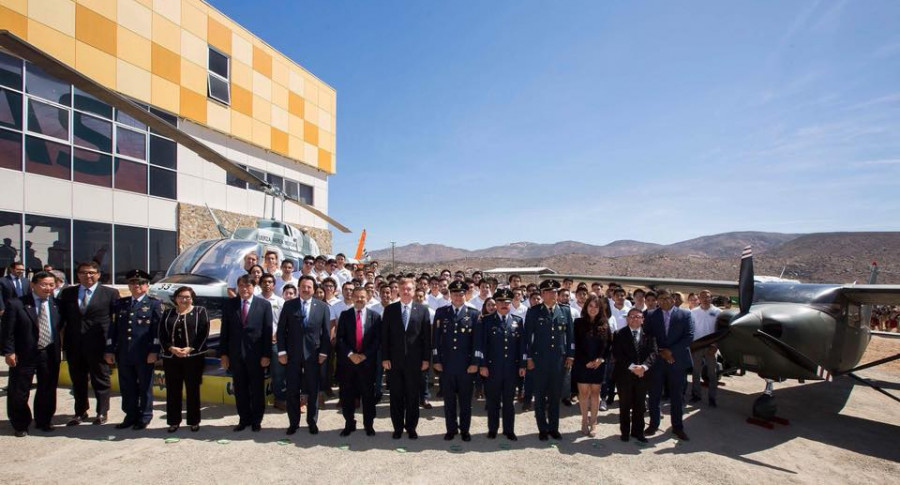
764	409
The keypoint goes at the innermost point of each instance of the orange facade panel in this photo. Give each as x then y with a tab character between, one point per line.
218	36
165	63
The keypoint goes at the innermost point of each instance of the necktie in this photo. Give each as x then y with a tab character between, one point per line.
635	334
359	333
45	336
18	287
134	303
666	317
85	299
458	311
405	317
245	308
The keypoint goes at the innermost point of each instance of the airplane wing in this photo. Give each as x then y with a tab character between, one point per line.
727	288
872	294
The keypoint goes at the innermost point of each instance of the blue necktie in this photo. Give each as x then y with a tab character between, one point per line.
18	287
405	317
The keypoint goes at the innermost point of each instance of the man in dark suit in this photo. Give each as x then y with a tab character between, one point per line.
133	344
13	285
31	346
634	352
358	341
406	353
245	347
86	311
673	330
303	345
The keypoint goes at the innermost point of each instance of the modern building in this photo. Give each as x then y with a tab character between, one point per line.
82	179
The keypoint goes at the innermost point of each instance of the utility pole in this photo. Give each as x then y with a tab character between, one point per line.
393	263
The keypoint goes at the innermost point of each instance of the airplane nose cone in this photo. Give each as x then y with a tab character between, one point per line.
746	324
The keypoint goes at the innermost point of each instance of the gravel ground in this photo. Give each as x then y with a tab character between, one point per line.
840	432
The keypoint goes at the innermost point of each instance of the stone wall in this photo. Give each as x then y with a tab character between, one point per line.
195	224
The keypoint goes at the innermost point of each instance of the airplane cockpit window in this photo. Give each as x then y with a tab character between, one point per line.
222	259
853	315
795	293
186	260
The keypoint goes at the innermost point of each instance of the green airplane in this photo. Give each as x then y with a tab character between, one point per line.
786	329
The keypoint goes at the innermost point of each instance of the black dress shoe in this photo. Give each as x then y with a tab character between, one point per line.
466	436
313	428
195	428
346	432
449	436
712	402
77	420
542	436
624	437
240	427
21	434
641	439
651	430
413	435
172	428
100	419
511	436
255	428
397	435
555	435
124	424
291	430
681	434
139	426
695	399
370	431
492	435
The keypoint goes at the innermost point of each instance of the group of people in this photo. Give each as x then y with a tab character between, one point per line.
324	322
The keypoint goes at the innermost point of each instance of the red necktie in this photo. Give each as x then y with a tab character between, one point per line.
358	331
244	309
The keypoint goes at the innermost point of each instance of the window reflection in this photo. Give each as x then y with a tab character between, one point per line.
163	183
91	132
11	235
10	150
47	241
39	83
131	250
10	109
86	102
131	176
92	168
48	120
131	143
10	71
163	249
47	158
92	242
163	152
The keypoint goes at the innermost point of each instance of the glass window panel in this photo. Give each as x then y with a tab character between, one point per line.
47	158
290	188
127	120
163	249
259	174
10	109
10	150
275	180
168	118
48	120
234	181
163	152
93	242
11	235
218	63
10	71
131	143
86	102
91	132
130	176
163	183
39	83
131	251
47	241
219	89
305	193
92	168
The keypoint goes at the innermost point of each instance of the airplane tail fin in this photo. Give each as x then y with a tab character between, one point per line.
745	281
361	247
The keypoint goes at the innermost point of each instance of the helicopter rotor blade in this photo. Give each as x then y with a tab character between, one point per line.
317	212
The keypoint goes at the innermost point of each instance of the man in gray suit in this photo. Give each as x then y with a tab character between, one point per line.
303	346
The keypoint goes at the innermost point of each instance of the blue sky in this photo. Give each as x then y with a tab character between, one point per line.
478	123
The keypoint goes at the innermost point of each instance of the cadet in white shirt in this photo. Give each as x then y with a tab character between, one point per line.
518	306
619	309
343	274
250	259
270	263
704	324
277	370
435	298
286	276
484	292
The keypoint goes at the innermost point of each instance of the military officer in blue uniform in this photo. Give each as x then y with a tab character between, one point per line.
454	356
549	352
133	344
500	352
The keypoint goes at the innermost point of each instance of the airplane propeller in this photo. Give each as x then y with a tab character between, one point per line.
745	292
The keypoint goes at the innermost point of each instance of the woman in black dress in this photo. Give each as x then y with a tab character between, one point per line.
182	338
593	340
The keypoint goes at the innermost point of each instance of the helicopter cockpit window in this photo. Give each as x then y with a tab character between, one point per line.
184	262
224	258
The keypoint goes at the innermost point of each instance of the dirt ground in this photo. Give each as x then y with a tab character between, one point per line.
839	432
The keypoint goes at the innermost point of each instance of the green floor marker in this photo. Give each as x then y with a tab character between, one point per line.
401	449
284	441
223	441
554	445
344	446
504	446
172	439
456	448
107	438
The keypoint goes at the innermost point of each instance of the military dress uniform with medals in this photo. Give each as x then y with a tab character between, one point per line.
549	342
501	351
455	351
133	336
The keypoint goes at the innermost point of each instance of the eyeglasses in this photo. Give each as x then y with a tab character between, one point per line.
89	273
635	317
185	297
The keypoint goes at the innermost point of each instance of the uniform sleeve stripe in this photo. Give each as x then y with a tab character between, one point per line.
479	354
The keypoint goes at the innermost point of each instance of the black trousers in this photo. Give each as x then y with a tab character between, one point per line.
548	379
358	382
183	373
249	383
136	387
87	363
632	394
457	387
303	377
44	364
406	389
500	391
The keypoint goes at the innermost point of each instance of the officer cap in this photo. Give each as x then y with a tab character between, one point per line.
138	275
551	285
457	285
503	294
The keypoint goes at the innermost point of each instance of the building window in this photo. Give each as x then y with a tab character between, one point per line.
47	241
217	78
93	242
11	235
130	249
48	158
163	249
260	175
233	181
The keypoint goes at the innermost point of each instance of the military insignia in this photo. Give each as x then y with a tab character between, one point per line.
145	308
514	325
466	319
